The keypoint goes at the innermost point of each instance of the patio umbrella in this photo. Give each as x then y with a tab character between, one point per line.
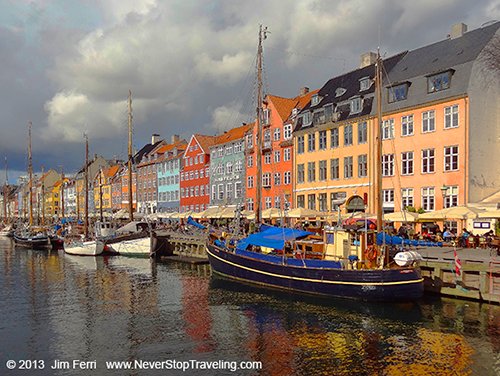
272	213
304	213
456	212
402	216
227	212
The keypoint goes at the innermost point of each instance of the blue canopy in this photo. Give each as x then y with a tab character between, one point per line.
272	237
192	222
384	238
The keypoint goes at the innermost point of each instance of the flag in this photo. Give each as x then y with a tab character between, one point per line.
458	264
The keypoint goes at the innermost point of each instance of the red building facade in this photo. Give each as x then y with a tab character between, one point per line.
195	174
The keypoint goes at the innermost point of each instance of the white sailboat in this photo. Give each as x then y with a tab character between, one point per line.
134	247
90	247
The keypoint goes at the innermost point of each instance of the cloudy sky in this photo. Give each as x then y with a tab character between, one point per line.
67	65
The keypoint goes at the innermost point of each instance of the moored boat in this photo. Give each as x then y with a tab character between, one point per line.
32	241
140	247
88	248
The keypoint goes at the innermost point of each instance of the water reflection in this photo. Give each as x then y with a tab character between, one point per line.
57	306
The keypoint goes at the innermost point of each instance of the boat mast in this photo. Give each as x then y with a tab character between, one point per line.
62	192
100	195
258	123
30	175
130	205
86	182
5	188
43	197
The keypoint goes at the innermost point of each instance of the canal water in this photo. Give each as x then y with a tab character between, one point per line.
56	307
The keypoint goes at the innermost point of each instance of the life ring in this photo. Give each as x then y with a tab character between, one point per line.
371	253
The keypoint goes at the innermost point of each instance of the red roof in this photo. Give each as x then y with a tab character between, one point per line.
205	141
233	134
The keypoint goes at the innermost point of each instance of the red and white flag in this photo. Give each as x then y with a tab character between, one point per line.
458	264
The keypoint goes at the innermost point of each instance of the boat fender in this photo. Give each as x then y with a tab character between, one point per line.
371	253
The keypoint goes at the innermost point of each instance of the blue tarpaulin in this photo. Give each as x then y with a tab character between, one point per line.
272	237
192	222
384	238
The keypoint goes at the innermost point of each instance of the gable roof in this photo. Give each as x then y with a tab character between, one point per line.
144	150
232	134
204	141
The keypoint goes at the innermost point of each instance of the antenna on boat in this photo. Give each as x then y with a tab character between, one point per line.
30	174
130	205
258	198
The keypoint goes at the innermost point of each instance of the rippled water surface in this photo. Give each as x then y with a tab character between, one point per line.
60	307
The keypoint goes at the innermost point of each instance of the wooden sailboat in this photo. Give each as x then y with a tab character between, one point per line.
86	247
30	238
288	267
130	244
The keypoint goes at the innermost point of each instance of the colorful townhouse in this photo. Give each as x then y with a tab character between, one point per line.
94	165
195	174
441	123
122	177
69	196
227	167
277	153
168	174
333	140
102	188
145	165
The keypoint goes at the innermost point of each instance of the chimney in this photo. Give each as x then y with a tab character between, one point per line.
304	90
368	58
458	30
155	138
175	138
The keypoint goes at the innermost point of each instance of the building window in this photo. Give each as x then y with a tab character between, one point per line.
451	197
287	154
250	181
229	168
451	117
334	138
277	134
356	106
388	165
269	203
362	133
220	152
304	119
287	131
311	201
287	178
438	82
397	93
250	205
300	144
388	129
266	180
365	83
300	173
406	197
322	202
315	99
266	118
428	123
407	163
322	170
220	191
229	191
348	135
362	166
348	167
300	201
250	161
238	166
238	147
428	198
267	158
311	171
427	161
328	112
196	191
214	193
319	116
334	169
388	198
451	158
249	141
311	142
277	178
277	202
237	189
277	156
202	190
407	125
322	140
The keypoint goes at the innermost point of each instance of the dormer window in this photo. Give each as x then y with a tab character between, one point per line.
294	112
328	111
304	120
397	93
315	99
339	92
365	83
356	105
438	82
